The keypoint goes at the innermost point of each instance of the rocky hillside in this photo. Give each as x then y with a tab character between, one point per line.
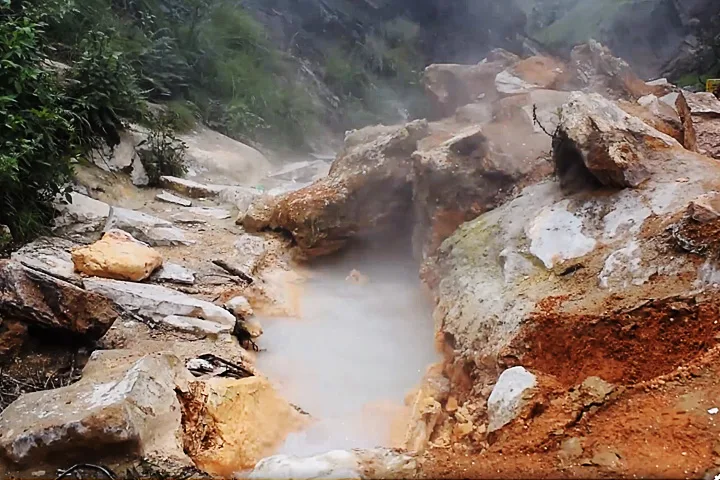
658	37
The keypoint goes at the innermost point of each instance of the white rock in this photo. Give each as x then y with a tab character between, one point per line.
195	326
114	410
624	268
210	212
83	214
556	235
239	306
671	99
157	303
200	365
152	230
338	464
240	197
508	84
509	396
660	82
50	255
174	199
174	273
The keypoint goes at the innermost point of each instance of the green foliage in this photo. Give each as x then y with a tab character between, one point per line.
103	91
52	115
378	80
162	153
182	115
38	136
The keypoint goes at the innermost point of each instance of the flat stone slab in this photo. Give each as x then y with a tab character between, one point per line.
156	302
174	199
152	230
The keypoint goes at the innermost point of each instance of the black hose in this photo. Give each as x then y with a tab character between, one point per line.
107	472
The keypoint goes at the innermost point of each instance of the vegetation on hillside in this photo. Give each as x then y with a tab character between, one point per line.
74	72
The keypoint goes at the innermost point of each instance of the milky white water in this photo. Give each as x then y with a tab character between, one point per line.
355	353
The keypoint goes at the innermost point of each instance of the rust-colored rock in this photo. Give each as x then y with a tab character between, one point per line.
541	71
689	136
230	424
118	256
449	86
36	298
366	190
538	72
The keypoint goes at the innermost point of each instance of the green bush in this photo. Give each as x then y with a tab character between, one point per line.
162	153
183	115
103	91
38	136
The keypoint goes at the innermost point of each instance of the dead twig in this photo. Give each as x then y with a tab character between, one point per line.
233	270
536	121
234	369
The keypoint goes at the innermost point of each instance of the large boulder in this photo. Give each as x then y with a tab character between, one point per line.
702	117
367	189
230	424
458	180
537	72
594	68
117	255
551	276
659	115
115	411
461	171
217	158
598	142
164	306
449	86
39	299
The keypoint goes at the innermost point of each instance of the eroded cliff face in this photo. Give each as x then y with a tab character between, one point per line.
566	225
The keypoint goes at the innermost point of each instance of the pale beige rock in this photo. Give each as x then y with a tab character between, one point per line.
118	256
425	409
118	408
612	145
238	423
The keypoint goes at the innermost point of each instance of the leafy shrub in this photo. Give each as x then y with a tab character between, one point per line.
103	91
183	115
38	138
162	153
